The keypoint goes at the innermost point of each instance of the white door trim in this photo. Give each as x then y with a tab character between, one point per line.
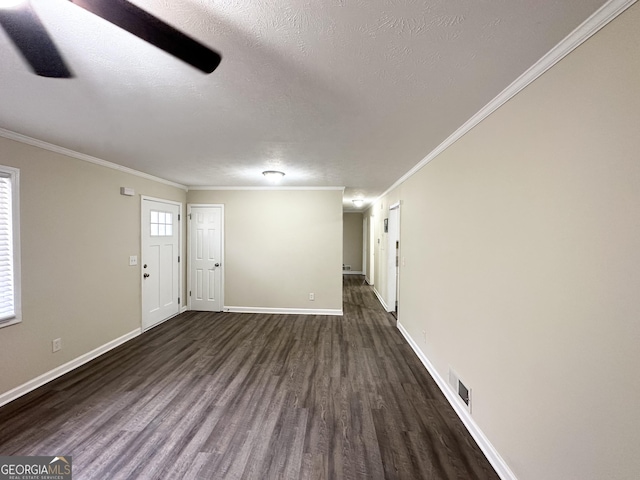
365	244
224	266
180	249
393	277
371	271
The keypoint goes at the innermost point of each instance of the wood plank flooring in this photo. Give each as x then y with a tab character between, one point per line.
248	396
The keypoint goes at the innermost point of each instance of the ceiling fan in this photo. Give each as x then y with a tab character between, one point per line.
27	32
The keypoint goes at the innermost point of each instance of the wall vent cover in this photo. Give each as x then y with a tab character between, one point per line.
463	392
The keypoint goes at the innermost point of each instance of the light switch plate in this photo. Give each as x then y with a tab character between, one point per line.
133	260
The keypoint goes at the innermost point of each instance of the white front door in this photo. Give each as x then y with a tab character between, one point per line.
205	258
160	261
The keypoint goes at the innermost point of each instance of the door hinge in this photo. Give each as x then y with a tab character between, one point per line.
189	292
178	217
189	216
178	300
178	258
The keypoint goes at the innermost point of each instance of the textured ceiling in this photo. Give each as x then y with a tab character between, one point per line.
347	93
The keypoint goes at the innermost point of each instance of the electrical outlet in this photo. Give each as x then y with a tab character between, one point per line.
312	296
133	260
56	344
424	336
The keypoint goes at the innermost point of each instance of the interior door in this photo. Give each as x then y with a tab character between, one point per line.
160	261
205	258
392	257
372	251
365	244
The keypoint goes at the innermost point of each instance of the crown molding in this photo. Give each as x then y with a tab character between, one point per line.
34	142
600	18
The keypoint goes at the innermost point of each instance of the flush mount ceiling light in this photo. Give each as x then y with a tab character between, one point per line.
11	3
358	202
273	175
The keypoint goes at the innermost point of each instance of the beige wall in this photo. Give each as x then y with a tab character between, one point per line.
280	245
352	240
77	233
521	244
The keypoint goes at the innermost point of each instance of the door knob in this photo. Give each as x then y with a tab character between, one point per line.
217	265
145	275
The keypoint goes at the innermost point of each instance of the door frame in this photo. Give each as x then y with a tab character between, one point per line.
180	263
365	249
393	261
224	266
371	271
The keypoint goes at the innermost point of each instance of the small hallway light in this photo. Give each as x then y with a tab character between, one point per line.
273	175
358	202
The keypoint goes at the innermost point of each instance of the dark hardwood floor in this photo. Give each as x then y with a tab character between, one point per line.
248	396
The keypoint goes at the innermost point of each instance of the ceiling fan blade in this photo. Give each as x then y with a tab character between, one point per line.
153	30
30	37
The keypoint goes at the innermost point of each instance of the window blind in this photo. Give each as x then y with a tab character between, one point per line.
7	291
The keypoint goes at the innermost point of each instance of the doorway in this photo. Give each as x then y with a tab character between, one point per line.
206	267
371	251
393	254
160	260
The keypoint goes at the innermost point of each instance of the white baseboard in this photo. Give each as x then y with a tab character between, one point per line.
285	311
184	308
497	462
66	368
351	272
180	310
381	300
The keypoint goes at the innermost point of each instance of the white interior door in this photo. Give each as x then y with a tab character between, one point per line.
160	261
392	257
205	258
365	243
372	251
